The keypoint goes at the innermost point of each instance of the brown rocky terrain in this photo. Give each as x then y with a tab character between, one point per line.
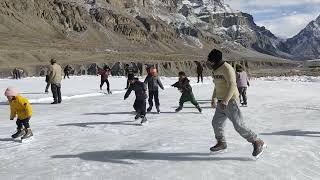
84	32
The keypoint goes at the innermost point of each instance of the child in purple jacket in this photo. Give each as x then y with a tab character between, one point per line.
242	84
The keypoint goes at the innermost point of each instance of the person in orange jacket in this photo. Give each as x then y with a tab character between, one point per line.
19	106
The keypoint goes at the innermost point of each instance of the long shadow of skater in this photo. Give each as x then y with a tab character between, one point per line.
107	113
124	156
89	124
294	133
8	140
4	103
32	93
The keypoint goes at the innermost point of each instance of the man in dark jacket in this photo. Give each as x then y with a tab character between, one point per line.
187	95
140	90
153	82
199	71
129	71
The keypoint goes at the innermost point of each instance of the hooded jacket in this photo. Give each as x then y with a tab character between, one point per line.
20	106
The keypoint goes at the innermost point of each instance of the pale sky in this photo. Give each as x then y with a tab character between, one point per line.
285	18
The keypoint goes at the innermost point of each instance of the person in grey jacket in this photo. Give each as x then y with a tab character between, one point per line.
140	90
153	82
242	84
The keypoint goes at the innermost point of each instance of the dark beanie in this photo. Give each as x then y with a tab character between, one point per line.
130	77
215	56
181	73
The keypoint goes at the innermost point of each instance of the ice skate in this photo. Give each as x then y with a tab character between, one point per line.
220	147
19	133
258	148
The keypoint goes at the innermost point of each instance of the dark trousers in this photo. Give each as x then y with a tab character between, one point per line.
21	123
140	106
200	76
155	95
56	92
66	74
105	81
243	95
47	87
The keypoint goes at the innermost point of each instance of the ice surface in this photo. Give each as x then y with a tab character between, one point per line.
96	138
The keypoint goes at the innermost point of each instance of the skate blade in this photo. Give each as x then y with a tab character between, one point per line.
218	152
263	148
144	123
26	139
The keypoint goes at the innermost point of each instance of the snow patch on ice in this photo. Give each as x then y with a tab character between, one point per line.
292	78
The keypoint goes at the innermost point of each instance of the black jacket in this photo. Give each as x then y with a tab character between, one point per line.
183	85
140	90
153	83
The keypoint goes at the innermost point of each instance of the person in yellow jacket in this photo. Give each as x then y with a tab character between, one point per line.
20	107
225	100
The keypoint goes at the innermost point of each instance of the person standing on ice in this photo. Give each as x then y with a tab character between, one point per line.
104	73
55	78
48	85
242	84
129	71
140	90
67	71
187	95
199	72
224	100
19	106
153	82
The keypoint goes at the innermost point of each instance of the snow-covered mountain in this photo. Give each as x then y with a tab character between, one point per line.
306	44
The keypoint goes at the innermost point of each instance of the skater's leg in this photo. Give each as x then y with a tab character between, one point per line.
59	93
156	98
135	106
54	90
201	78
47	88
234	114
108	85
218	123
240	94
198	77
150	100
143	106
19	124
244	95
101	84
26	123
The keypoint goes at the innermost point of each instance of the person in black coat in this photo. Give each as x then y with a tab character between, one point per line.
140	90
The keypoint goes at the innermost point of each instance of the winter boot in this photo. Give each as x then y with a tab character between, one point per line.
27	134
199	109
144	119
149	109
19	133
158	109
220	146
258	148
179	109
137	116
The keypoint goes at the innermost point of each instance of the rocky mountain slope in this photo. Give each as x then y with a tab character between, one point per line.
82	31
306	44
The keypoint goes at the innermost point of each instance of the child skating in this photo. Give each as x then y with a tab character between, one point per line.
104	73
186	90
153	82
19	106
140	90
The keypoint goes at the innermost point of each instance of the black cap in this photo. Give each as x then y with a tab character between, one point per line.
181	73
215	56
